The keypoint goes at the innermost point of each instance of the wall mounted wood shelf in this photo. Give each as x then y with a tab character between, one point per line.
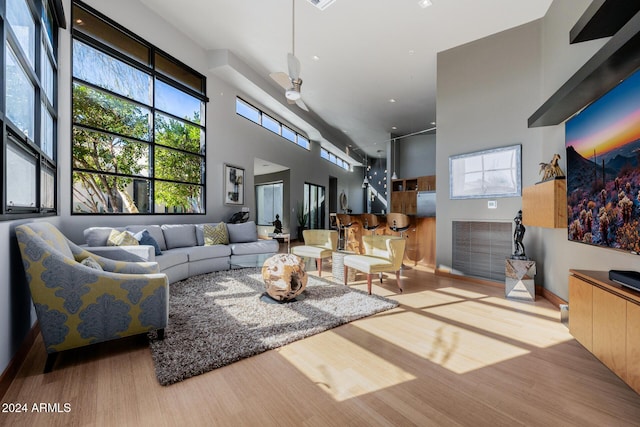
545	204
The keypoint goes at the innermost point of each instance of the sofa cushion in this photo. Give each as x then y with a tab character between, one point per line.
215	235
198	253
171	258
243	233
257	247
121	238
97	236
179	235
154	230
144	238
311	251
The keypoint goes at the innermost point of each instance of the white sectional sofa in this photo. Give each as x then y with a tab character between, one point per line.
182	252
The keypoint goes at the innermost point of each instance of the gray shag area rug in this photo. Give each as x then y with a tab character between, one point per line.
218	318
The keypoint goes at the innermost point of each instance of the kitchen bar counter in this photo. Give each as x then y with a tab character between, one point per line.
421	238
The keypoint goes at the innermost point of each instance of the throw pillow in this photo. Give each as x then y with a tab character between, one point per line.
144	238
124	238
215	235
91	263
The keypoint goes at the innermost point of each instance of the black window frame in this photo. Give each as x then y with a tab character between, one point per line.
31	145
163	75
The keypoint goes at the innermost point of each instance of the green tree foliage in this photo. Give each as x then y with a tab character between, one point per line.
174	165
107	152
102	152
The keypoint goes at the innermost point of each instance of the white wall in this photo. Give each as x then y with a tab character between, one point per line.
230	138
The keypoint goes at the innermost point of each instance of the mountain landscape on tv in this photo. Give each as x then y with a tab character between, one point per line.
603	198
603	169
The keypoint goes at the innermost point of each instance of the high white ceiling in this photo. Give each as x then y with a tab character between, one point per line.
369	52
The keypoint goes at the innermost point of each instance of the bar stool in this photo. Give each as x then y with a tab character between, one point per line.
370	222
344	223
398	222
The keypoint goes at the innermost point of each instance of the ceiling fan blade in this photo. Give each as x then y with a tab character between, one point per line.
302	105
282	79
294	66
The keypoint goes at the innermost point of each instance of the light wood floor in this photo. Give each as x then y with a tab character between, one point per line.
452	353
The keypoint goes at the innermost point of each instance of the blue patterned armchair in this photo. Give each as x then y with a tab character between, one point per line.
78	305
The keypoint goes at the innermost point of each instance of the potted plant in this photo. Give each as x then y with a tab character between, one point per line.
302	220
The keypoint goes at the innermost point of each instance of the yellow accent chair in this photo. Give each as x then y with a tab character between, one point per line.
381	254
79	305
319	244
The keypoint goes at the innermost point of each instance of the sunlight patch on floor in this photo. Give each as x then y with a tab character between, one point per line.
488	315
336	373
455	348
426	299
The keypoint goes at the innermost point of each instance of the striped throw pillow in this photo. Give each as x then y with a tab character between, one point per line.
215	235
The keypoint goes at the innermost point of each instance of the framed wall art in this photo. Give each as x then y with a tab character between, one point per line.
233	189
488	173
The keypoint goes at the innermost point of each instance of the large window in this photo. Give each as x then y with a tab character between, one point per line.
138	124
28	111
269	202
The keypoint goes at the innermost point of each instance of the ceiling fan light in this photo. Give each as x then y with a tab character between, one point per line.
292	95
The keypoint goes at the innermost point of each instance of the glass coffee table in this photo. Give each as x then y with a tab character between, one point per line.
248	261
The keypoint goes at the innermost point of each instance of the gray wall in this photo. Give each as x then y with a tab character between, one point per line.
486	91
416	156
230	139
560	61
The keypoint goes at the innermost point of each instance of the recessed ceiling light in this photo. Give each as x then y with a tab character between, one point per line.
79	21
393	128
412	52
424	3
315	58
433	123
392	100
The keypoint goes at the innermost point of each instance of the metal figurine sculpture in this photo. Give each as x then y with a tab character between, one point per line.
277	224
551	170
518	235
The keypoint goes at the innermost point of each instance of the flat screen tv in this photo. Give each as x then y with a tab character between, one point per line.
603	169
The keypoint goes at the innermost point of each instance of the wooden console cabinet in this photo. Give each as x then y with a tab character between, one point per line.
605	318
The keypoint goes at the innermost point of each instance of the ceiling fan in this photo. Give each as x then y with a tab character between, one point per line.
291	82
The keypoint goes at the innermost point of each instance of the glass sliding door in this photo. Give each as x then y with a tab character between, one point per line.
314	203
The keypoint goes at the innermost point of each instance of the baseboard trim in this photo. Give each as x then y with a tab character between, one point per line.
14	365
550	296
543	292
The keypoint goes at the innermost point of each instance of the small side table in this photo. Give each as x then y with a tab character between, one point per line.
285	237
337	266
519	283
